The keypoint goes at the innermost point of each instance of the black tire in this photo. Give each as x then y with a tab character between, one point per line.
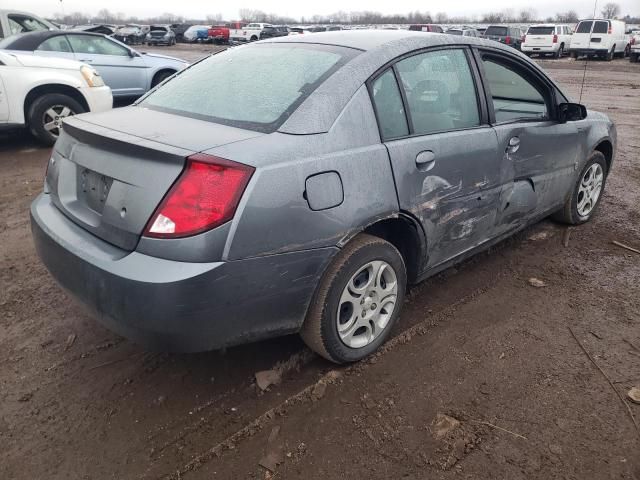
627	51
37	113
569	213
560	52
611	54
160	77
633	58
320	329
253	39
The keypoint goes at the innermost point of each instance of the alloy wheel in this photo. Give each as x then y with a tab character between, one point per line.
53	117
367	303
590	189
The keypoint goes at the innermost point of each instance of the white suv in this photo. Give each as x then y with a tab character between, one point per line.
547	39
40	92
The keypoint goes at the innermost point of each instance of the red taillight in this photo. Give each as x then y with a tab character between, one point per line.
609	31
205	195
633	40
523	38
555	38
507	40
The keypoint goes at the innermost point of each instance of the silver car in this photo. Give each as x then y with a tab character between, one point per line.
128	72
305	188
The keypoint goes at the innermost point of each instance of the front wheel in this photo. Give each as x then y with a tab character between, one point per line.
46	114
357	301
587	192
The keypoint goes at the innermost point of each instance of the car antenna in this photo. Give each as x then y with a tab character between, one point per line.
584	72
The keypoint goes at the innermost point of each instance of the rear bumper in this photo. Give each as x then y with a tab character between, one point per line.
158	41
589	51
177	306
540	48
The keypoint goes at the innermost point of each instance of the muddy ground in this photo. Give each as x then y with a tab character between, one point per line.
477	343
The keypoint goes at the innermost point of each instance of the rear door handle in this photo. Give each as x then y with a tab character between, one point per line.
514	145
425	160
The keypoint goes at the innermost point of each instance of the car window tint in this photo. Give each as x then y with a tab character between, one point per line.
257	87
96	45
584	27
601	27
514	97
440	91
540	31
55	44
496	31
389	108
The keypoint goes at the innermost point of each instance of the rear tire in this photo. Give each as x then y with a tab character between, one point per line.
574	211
364	285
559	52
46	113
160	77
611	54
633	58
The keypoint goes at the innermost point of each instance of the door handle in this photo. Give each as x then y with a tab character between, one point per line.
514	145
426	160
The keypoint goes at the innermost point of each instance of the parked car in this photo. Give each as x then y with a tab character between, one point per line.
13	22
218	34
160	35
634	51
603	38
96	28
299	30
306	196
128	72
426	27
131	34
274	31
508	35
39	93
249	33
481	31
547	39
464	31
196	33
179	29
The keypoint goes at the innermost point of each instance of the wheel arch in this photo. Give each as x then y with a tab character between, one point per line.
159	72
606	148
50	88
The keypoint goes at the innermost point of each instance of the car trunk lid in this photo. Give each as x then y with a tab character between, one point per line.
110	182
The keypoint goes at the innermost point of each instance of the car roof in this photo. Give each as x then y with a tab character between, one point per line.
29	41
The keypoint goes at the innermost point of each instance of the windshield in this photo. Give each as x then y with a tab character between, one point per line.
254	87
498	31
541	31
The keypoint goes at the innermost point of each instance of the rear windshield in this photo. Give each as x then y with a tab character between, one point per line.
417	28
499	31
584	27
541	31
601	27
255	87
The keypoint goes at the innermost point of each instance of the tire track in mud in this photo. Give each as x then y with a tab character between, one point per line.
307	393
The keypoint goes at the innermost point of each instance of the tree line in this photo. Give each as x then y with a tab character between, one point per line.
508	15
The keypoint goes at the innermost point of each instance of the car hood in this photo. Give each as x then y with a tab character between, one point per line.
29	60
155	57
169	129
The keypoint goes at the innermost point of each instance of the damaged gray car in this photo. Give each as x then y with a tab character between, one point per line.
304	189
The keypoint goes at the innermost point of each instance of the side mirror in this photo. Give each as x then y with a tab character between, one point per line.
571	112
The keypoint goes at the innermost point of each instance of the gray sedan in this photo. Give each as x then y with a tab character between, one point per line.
128	72
309	185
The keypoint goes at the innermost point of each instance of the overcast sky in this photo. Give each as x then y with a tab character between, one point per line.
298	8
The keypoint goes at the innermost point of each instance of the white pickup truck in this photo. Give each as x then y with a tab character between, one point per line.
547	39
248	33
14	21
634	52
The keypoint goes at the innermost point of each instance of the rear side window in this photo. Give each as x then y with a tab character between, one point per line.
440	91
540	31
497	31
514	96
389	107
55	44
256	87
584	27
601	27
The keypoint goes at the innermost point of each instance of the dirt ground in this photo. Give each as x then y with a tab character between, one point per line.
483	378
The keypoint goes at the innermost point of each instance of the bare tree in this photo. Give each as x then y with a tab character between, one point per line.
441	17
611	10
567	17
527	15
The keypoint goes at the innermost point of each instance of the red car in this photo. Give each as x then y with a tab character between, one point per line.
219	34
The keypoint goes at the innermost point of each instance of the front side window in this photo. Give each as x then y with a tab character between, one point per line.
256	87
58	43
440	91
514	97
389	108
22	23
92	45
